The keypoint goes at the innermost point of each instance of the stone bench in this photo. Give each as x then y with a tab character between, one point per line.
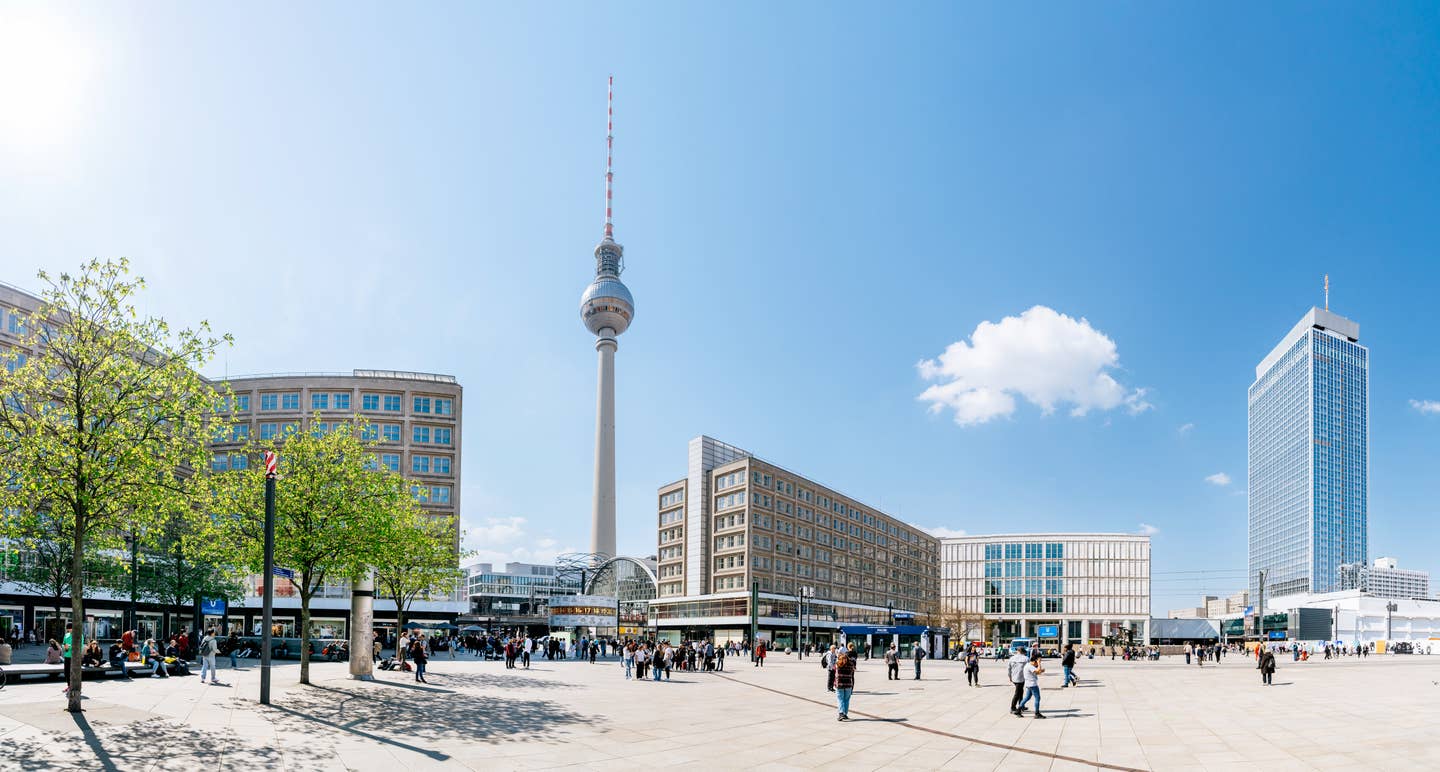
38	670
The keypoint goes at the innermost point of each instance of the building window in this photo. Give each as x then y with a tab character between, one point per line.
444	406
392	403
370	433
420	434
442	464
239	432
269	401
421	405
319	401
242	403
1033	551
219	463
993	552
390	461
290	401
420	464
1013	552
369	401
372	463
391	432
1054	551
442	436
439	494
267	431
342	401
239	461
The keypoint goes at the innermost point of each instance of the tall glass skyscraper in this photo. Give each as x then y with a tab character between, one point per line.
1309	457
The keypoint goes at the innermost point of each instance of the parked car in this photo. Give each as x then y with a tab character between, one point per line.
1403	647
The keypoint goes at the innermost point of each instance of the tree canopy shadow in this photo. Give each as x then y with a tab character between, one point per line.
416	720
163	744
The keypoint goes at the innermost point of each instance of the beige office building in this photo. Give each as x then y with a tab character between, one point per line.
1059	587
736	521
413	417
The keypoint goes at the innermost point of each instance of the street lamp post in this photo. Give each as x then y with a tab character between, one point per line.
1390	609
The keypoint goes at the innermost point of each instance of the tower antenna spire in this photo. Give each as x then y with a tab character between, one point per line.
609	155
1327	290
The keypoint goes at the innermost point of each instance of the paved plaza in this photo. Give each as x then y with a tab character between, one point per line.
1379	713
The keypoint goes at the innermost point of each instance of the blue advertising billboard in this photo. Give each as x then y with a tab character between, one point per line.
1047	631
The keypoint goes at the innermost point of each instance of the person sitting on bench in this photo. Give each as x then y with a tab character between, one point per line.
53	655
92	656
120	658
155	658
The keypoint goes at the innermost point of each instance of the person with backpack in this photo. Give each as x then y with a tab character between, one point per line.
844	682
209	647
1016	670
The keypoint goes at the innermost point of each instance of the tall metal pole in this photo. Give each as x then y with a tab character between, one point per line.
267	614
754	616
1261	608
799	611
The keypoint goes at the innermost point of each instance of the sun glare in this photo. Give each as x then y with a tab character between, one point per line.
43	71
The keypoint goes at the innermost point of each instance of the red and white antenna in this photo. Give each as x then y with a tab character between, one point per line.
609	151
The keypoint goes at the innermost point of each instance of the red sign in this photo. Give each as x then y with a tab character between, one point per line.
272	462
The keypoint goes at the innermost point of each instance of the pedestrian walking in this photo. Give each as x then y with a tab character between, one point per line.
760	654
1015	668
844	682
827	661
972	666
209	647
1032	671
892	663
1267	667
1067	663
627	659
419	656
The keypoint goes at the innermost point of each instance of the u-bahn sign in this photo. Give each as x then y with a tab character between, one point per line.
582	611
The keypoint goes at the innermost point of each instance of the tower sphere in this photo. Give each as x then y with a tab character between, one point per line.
606	303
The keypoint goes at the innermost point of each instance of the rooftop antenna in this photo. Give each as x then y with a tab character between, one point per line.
609	152
1327	276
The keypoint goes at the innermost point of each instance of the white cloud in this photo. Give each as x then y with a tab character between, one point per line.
1426	405
1219	478
1147	529
941	532
500	540
1186	429
1046	357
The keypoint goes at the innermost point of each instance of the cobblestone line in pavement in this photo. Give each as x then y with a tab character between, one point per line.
942	733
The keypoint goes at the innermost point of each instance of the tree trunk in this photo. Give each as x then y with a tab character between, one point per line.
77	613
305	634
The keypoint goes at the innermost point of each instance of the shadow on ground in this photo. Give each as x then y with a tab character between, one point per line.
148	745
416	720
491	681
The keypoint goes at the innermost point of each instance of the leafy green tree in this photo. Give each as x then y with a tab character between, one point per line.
182	568
417	558
104	414
332	513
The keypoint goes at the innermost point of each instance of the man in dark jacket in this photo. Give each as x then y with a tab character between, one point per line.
919	655
1068	664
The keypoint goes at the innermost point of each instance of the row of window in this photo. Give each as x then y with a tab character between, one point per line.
341	400
672	498
1024	606
1030	551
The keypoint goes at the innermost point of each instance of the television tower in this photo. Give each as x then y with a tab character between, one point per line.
606	308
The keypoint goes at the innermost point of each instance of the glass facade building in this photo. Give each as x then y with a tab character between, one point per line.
1309	457
1086	588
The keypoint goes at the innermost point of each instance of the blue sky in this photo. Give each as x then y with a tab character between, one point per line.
813	200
